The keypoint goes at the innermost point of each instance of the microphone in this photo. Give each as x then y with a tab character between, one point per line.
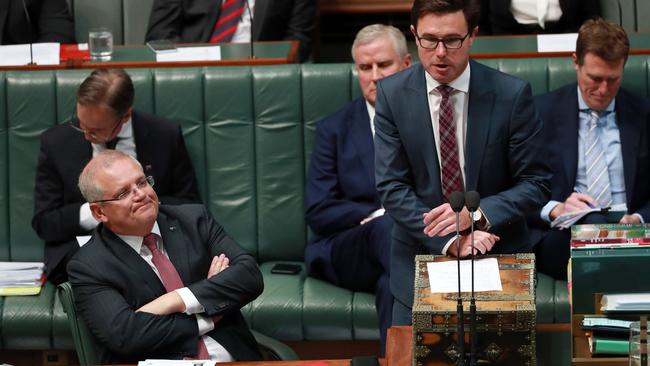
250	16
31	27
472	199
457	201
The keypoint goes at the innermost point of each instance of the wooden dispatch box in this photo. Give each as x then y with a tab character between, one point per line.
505	319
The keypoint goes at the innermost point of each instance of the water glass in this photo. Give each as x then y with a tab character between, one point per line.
100	43
635	345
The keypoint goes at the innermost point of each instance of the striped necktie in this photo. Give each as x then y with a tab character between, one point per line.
229	16
598	185
452	180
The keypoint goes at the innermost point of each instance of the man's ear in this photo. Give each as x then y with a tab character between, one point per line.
98	212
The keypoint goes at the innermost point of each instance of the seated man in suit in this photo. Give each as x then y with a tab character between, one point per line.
221	21
33	21
106	120
600	144
158	281
351	247
451	124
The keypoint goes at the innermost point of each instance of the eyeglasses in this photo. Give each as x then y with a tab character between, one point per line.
142	183
93	134
450	43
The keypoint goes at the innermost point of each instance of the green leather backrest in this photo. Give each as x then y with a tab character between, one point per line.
136	20
90	14
249	131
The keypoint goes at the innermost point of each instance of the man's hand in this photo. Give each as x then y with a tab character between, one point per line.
575	202
168	303
630	219
219	263
483	243
441	220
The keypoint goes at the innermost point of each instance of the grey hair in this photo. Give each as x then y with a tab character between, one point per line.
372	32
89	188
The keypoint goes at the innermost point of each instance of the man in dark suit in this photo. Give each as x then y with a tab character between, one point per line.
106	119
527	17
351	245
196	21
451	124
32	21
620	123
159	281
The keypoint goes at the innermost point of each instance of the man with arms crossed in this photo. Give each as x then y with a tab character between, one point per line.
452	124
351	245
158	281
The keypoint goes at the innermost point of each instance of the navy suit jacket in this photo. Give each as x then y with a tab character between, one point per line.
64	152
502	163
111	281
559	111
49	21
340	188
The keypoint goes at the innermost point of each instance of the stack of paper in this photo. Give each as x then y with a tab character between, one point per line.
21	278
587	237
626	302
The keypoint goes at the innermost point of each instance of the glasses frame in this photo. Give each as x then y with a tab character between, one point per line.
443	41
92	135
148	181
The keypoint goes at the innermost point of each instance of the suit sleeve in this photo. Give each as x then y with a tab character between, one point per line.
328	210
530	174
234	287
165	20
185	188
53	220
119	327
394	179
55	22
301	25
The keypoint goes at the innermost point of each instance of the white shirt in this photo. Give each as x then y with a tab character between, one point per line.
460	101
192	306
126	144
536	11
243	32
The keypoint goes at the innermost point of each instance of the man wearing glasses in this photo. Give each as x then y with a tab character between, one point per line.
451	124
104	119
159	281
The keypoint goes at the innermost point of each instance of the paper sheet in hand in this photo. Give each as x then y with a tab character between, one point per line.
443	276
557	42
207	53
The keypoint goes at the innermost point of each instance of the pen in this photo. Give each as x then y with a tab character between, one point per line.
577	190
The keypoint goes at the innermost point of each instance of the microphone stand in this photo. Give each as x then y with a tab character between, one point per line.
459	307
472	306
250	16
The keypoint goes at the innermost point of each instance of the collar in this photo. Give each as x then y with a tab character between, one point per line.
583	107
461	83
135	241
127	130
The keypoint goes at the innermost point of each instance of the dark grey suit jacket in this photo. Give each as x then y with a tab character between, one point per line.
273	20
64	153
502	163
41	21
110	281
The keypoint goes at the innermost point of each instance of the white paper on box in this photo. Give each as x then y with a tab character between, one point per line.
443	276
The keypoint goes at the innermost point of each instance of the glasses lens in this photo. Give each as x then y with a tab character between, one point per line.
453	43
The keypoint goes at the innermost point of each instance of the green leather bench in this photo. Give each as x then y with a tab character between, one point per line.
249	132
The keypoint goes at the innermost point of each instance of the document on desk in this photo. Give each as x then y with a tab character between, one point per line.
557	42
20	54
153	362
613	214
203	53
443	276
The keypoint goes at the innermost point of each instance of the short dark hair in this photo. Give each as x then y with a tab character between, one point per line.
604	39
471	10
111	88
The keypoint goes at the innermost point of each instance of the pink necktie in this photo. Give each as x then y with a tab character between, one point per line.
452	180
170	279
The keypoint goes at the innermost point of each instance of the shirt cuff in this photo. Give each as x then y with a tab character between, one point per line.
192	305
86	219
376	213
639	216
450	242
545	214
206	324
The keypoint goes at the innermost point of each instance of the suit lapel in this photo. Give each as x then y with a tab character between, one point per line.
567	134
259	14
628	130
479	118
214	9
132	260
362	137
4	9
175	246
144	151
419	124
